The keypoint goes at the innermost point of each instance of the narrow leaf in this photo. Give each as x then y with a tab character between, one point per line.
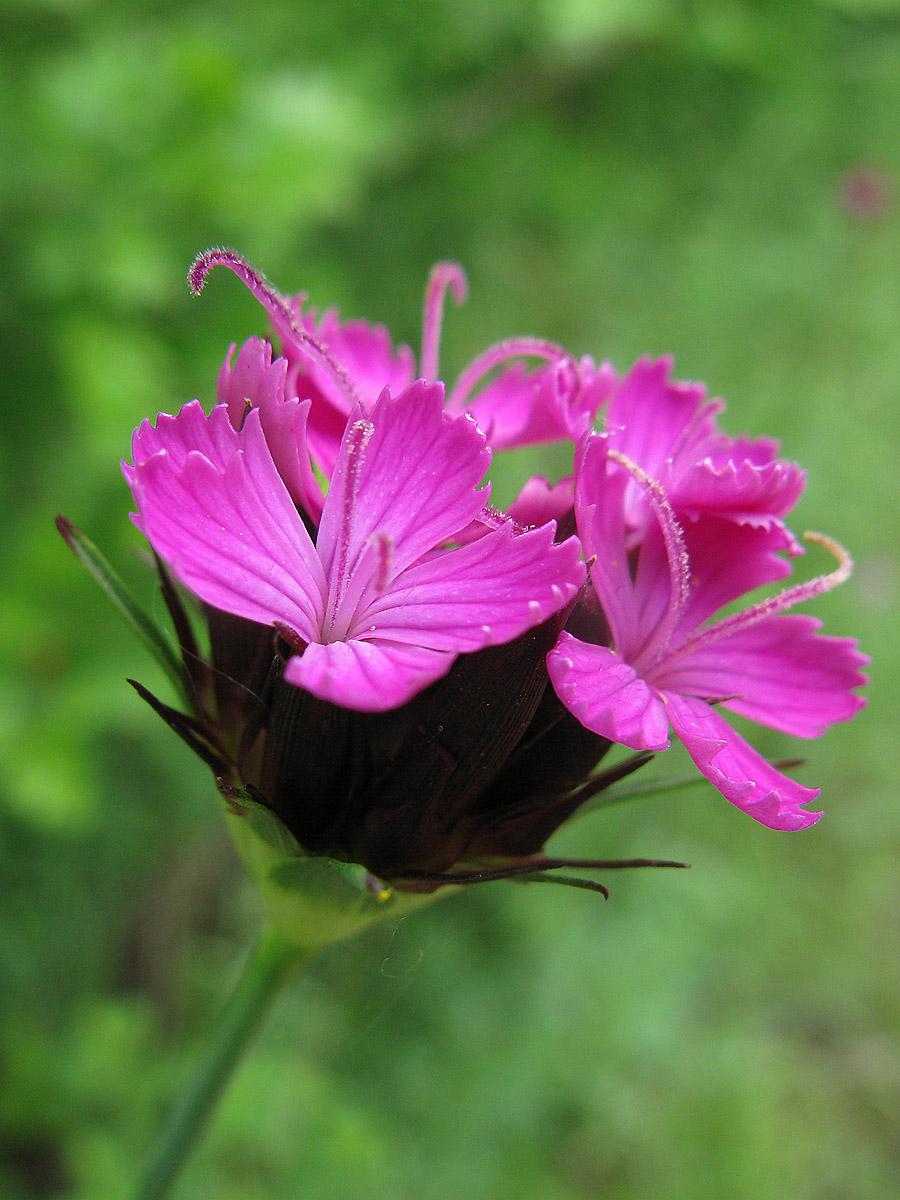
147	630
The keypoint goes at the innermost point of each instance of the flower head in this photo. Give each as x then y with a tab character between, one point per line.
405	688
655	662
383	601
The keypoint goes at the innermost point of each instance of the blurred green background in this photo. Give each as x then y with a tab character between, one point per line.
720	180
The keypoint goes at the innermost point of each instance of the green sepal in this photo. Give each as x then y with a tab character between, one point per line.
311	901
264	826
104	573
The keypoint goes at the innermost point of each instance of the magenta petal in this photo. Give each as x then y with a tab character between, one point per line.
741	774
362	353
744	491
230	533
554	402
191	430
607	695
365	352
417	470
541	501
481	594
367	676
256	382
654	420
251	381
729	560
600	514
779	672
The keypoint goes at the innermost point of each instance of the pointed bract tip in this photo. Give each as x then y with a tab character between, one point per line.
65	526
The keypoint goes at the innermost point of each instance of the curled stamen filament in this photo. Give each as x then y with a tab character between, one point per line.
279	308
443	275
785	599
501	353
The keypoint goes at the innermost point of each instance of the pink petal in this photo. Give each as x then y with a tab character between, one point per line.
541	501
553	403
418	472
229	530
607	695
367	676
727	561
366	353
252	381
481	594
257	382
779	672
654	420
740	489
741	774
212	436
600	513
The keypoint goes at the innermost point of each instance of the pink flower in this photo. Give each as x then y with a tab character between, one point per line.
665	665
383	602
668	428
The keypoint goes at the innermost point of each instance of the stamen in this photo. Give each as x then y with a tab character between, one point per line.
676	551
279	308
443	275
220	256
785	599
358	437
501	353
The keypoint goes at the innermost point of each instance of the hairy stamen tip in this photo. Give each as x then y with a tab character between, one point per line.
204	263
844	568
443	275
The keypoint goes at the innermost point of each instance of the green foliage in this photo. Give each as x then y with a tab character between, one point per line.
716	178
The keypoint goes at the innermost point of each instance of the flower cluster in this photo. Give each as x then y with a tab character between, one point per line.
414	681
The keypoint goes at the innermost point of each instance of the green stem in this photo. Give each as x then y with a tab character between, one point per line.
270	964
